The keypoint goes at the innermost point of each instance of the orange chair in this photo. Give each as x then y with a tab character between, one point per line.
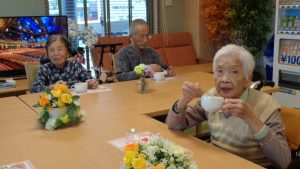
291	120
107	56
178	49
156	43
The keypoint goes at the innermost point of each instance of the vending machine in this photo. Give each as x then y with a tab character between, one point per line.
286	62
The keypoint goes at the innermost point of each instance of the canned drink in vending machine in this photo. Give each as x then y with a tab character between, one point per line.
285	22
290	23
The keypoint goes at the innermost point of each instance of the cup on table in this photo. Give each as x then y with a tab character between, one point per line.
211	103
80	87
158	76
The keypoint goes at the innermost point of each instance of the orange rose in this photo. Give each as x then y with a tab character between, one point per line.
159	166
44	100
131	147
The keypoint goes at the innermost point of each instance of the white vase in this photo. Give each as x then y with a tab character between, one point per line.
56	112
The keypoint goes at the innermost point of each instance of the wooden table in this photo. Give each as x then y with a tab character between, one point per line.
21	88
112	104
108	116
87	144
203	67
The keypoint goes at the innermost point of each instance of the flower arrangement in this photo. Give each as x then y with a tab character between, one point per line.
72	28
157	153
89	35
143	70
59	108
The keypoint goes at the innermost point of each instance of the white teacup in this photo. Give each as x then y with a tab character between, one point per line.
159	76
80	87
211	103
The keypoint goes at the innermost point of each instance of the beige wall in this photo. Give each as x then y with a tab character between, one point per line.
22	7
192	22
182	16
196	27
174	16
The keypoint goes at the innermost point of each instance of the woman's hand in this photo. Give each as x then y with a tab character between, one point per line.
241	109
92	83
171	71
189	91
155	67
237	107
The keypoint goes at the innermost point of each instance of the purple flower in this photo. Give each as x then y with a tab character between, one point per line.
148	70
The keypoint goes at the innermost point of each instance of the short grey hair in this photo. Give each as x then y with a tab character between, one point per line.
134	23
245	57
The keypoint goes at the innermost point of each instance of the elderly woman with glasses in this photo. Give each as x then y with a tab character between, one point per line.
254	129
138	52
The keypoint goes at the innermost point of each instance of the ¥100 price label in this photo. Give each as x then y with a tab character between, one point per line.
289	60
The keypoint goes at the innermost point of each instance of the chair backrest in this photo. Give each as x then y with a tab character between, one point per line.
291	120
31	69
178	49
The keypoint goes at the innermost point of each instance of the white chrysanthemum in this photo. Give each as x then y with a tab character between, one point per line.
49	96
51	124
150	151
176	150
82	113
77	102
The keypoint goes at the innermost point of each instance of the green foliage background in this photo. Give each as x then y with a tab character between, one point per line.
251	22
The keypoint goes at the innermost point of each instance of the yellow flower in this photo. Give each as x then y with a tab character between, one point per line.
61	87
129	155
56	93
139	69
131	147
65	119
159	166
66	98
60	103
44	100
139	163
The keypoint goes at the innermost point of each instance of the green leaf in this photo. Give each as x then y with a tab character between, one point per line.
47	90
36	105
43	117
75	97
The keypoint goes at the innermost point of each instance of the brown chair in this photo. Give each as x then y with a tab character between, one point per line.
291	120
31	69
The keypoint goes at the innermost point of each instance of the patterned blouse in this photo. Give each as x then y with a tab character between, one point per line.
49	74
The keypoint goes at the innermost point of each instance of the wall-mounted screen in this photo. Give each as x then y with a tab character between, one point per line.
22	39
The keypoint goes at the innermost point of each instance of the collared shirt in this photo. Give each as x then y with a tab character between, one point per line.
129	57
49	74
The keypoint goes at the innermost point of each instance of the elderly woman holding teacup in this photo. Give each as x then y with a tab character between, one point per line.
60	70
241	120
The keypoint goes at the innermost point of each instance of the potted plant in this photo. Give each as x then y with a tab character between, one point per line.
242	22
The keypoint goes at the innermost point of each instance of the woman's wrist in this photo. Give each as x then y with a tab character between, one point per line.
262	132
182	103
255	123
177	110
